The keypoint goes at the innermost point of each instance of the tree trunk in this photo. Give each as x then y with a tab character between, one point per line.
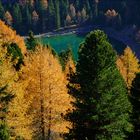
42	109
50	116
50	120
42	120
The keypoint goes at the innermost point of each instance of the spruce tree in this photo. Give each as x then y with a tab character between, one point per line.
16	54
31	41
63	11
17	16
43	5
64	56
101	106
28	18
58	22
2	11
135	100
51	15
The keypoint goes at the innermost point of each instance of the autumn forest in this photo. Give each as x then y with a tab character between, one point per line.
51	95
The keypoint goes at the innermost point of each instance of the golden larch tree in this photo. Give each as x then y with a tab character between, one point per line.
8	36
16	117
8	18
7	72
128	64
8	76
47	91
35	16
44	4
19	121
68	19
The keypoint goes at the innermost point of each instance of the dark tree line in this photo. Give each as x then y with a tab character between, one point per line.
45	15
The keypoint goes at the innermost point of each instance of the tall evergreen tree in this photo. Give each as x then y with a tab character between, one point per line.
27	18
2	11
91	14
31	41
43	5
16	54
96	8
63	11
51	14
17	17
101	107
58	22
135	100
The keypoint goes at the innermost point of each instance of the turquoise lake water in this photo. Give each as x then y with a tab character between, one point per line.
62	42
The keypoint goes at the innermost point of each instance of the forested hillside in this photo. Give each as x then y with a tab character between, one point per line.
46	93
46	96
25	15
33	94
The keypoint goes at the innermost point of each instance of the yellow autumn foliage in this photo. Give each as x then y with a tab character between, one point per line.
128	65
8	18
8	36
7	72
18	119
47	92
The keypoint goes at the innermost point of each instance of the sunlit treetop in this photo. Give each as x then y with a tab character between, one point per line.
8	36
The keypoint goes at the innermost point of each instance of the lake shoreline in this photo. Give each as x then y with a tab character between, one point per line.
117	35
62	31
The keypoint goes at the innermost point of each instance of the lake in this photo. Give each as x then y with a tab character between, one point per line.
62	42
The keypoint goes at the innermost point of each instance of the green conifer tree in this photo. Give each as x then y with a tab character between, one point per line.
64	57
43	5
1	11
58	22
14	51
27	18
101	107
31	41
135	100
51	15
63	11
17	16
